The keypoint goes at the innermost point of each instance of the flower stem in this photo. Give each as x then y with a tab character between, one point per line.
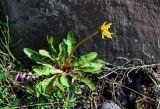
73	50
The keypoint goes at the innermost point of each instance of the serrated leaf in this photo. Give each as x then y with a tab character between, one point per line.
85	59
99	61
69	101
44	53
92	70
89	83
71	41
63	80
46	70
58	95
4	93
50	40
91	64
91	67
51	47
62	53
59	85
41	70
55	71
42	86
35	56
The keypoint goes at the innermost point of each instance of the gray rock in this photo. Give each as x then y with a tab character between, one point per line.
136	24
110	105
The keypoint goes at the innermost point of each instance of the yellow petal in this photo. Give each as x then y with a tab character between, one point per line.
105	30
107	34
106	27
103	26
103	36
104	23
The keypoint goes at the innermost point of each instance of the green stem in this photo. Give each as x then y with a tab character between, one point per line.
8	40
79	44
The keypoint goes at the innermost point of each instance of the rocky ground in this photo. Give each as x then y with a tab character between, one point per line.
133	85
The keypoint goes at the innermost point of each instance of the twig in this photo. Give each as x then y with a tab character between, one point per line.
106	75
123	58
147	54
132	68
132	90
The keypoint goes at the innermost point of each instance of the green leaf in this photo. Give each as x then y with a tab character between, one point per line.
35	56
85	59
91	67
53	51
63	80
59	85
71	98
41	70
5	93
50	40
58	95
45	53
99	61
92	70
55	71
88	82
46	70
92	64
62	53
69	101
71	41
43	106
42	86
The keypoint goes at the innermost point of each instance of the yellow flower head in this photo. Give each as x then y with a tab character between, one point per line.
104	30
